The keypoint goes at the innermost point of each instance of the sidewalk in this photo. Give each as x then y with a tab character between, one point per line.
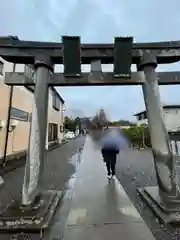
100	208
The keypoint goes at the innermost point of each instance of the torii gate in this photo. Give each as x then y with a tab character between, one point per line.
163	199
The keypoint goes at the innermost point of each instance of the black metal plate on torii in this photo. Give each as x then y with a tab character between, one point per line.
122	56
71	56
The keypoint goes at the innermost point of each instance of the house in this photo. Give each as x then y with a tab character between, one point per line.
21	111
171	117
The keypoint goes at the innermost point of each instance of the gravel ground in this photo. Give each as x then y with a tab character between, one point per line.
136	169
59	167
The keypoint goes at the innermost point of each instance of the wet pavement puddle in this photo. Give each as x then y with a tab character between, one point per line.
61	216
75	160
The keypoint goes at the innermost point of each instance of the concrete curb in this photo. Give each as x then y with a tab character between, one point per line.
132	207
56	146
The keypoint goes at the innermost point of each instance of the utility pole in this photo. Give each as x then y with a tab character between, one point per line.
11	89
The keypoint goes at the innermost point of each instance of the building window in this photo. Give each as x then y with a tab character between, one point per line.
52	132
1	68
55	102
49	132
142	116
19	114
139	117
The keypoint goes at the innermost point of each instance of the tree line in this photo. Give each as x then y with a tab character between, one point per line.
71	124
137	135
97	122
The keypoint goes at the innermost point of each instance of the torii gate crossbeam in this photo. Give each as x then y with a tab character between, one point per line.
100	79
16	51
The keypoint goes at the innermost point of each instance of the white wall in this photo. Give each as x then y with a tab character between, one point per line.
142	121
8	67
175	147
54	117
172	119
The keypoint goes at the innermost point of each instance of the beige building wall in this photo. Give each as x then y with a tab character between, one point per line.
23	100
54	116
18	138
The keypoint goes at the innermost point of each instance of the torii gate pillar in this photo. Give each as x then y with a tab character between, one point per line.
37	208
164	199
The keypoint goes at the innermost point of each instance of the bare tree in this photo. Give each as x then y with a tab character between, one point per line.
95	121
102	118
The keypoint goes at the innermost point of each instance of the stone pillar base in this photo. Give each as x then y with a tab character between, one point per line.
17	219
166	215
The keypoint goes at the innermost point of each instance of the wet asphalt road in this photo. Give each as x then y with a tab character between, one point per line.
59	167
136	169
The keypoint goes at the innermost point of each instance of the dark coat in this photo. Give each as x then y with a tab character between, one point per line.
109	155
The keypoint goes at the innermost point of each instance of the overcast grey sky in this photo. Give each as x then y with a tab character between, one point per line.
97	21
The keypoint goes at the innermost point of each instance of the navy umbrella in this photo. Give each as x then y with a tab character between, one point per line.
114	139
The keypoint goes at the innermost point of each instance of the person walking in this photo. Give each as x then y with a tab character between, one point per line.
110	155
112	143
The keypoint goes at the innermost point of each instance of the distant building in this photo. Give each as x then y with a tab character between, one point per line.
171	117
21	111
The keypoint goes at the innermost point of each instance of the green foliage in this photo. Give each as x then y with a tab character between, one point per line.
120	123
138	135
70	124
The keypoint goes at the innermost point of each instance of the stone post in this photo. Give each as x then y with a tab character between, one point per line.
37	137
